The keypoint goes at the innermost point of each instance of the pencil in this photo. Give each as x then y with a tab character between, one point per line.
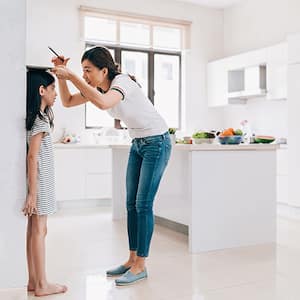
55	54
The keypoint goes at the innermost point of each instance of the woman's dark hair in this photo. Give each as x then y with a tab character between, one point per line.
36	79
101	58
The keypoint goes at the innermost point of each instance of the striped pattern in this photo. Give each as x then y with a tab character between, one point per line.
46	203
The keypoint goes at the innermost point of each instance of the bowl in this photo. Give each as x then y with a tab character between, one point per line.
230	140
203	140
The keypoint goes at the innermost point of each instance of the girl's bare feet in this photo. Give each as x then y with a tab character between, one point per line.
30	287
50	289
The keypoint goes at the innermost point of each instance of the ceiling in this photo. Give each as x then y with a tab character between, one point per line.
213	3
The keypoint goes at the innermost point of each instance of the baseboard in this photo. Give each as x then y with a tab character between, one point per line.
172	225
288	211
85	203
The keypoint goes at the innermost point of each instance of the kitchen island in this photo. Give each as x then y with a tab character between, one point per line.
225	194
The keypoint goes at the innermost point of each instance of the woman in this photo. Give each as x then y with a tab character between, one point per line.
123	99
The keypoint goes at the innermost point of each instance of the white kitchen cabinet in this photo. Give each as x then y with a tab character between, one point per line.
98	186
218	85
293	48
293	133
247	59
217	79
282	175
82	173
277	61
69	174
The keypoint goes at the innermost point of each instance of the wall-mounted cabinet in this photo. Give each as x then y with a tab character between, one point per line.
277	60
247	83
259	73
217	78
293	49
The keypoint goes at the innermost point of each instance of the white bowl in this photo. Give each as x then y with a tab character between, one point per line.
203	140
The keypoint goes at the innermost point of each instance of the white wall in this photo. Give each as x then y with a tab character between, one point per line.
254	24
48	25
12	158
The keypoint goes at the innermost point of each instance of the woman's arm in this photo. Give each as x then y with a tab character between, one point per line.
102	101
67	99
32	173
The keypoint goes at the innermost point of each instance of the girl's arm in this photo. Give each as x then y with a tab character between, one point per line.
102	101
32	173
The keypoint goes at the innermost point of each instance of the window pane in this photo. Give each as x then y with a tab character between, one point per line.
166	86
166	38
96	117
133	33
136	63
98	29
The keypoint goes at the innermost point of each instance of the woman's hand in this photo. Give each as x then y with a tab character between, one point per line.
58	61
30	205
62	72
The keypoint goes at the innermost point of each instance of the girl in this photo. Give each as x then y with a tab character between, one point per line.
122	97
40	201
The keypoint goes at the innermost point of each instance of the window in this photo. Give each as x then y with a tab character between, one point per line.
136	63
134	34
149	50
95	117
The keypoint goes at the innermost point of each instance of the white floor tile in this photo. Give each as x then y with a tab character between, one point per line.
83	243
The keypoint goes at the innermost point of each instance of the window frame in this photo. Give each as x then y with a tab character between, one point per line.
151	52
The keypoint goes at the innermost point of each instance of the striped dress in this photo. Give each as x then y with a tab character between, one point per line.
46	203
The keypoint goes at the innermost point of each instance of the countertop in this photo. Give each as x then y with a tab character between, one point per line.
184	147
216	147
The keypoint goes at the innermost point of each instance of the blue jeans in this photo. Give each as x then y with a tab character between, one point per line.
147	161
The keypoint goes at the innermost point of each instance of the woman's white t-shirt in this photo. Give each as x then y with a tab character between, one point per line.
135	109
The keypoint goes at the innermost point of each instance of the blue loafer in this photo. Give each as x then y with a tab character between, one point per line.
130	278
120	270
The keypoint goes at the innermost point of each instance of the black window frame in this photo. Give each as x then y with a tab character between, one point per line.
151	92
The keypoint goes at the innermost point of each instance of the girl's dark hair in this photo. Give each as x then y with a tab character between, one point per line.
101	58
36	79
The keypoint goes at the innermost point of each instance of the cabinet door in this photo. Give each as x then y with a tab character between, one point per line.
98	183
282	162
69	174
294	49
293	134
277	57
98	160
217	83
98	186
282	189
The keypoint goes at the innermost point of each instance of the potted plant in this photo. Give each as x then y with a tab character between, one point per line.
172	132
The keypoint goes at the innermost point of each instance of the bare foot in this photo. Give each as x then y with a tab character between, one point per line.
30	287
50	289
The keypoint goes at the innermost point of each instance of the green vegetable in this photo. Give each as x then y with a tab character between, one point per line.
203	135
238	132
172	130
